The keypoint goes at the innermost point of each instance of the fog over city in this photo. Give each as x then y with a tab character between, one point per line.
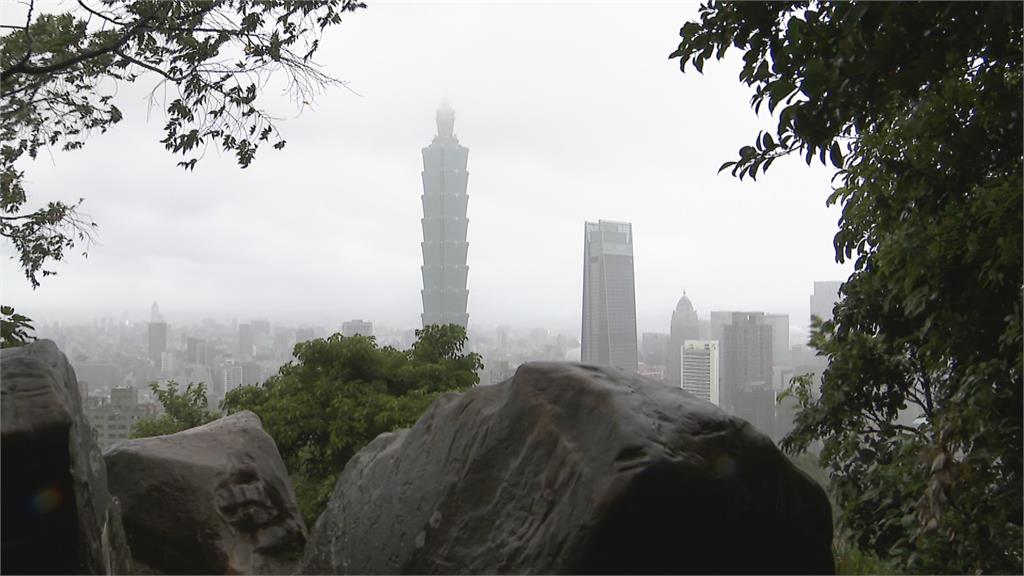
571	112
481	299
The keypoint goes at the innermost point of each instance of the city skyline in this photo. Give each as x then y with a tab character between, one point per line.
554	145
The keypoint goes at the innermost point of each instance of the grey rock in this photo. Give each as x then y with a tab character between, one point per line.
215	499
567	468
58	516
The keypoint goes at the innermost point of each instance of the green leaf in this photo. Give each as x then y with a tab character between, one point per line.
835	155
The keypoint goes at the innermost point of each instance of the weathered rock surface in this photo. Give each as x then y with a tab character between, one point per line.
570	468
215	499
58	517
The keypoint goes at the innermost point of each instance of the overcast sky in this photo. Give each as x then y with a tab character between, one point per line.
571	112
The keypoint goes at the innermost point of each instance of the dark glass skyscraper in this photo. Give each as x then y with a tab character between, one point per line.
445	225
609	298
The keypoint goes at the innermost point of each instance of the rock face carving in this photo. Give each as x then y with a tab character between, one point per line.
215	499
58	517
570	468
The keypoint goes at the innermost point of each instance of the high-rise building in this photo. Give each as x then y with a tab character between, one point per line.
251	373
157	341
124	397
698	368
112	419
824	298
196	351
260	327
653	346
169	361
155	317
445	226
354	327
746	377
609	297
717	320
246	341
747	349
685	326
231	378
304	335
780	338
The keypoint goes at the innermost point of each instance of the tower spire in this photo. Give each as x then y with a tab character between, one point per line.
445	120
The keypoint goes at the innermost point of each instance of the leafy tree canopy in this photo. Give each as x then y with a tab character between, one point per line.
340	393
182	410
918	106
59	73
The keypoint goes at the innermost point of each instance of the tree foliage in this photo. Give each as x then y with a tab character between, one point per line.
14	328
340	393
59	74
918	107
182	410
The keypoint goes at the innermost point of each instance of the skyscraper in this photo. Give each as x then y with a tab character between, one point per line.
824	298
157	341
746	389
196	351
445	225
157	335
685	326
780	338
246	341
609	298
699	369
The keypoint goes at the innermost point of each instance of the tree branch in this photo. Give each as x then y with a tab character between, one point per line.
101	15
23	67
149	66
28	41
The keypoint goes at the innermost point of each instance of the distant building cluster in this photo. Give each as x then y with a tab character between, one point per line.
112	418
115	362
740	361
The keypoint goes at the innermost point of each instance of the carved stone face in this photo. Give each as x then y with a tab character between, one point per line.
262	525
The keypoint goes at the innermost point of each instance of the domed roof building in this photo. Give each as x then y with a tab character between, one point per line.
685	326
684	314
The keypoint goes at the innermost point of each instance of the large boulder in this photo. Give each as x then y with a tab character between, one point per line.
567	468
215	499
58	517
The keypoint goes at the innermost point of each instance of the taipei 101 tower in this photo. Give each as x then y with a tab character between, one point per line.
444	225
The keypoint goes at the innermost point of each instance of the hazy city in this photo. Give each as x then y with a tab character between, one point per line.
328	246
544	181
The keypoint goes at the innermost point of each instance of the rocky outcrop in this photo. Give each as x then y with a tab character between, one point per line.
58	517
215	499
570	468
